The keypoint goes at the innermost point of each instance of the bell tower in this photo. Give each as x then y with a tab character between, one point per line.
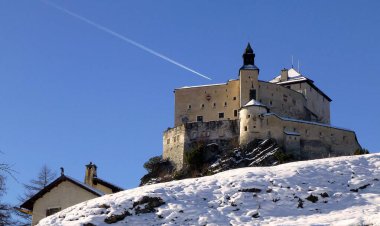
248	76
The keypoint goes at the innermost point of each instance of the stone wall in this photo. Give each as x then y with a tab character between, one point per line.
283	101
208	102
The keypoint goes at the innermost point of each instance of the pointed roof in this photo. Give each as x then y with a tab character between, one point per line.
249	59
28	204
248	49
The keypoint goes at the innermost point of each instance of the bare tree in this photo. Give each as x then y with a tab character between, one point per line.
5	209
44	177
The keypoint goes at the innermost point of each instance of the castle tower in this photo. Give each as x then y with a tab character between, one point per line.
248	76
251	124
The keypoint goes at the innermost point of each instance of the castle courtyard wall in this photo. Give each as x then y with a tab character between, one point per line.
174	145
316	140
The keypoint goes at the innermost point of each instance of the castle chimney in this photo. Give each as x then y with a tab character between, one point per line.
90	174
284	75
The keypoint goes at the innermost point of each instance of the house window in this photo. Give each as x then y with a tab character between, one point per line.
51	211
221	114
235	113
199	118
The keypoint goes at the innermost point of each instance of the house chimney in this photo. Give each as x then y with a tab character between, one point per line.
90	174
284	75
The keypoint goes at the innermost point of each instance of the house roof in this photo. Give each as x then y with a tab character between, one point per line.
296	77
28	204
113	187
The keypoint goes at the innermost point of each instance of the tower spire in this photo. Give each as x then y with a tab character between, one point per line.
249	58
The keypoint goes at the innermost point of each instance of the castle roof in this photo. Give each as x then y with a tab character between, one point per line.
293	75
296	77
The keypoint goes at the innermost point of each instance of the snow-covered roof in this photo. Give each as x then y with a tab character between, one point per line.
293	75
292	133
254	103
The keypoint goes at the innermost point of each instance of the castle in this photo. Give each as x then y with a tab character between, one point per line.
290	109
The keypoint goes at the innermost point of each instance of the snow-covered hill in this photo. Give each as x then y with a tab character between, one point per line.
334	191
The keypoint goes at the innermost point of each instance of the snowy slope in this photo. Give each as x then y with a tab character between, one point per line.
334	191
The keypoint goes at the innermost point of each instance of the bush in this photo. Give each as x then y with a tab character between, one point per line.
194	158
361	151
158	169
152	163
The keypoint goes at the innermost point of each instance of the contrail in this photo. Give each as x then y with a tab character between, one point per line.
122	37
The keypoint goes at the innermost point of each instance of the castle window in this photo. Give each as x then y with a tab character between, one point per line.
189	107
199	118
320	133
254	127
51	211
234	98
245	128
248	116
202	105
221	114
226	90
214	104
270	103
294	129
225	104
235	113
252	94
307	132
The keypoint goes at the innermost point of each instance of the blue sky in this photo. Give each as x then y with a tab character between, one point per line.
71	94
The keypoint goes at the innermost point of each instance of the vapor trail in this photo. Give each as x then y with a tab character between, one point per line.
122	37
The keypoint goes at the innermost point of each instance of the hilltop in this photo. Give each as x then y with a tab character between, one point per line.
332	191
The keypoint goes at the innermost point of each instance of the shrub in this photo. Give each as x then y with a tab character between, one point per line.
361	151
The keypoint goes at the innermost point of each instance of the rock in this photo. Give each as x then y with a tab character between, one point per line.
255	190
312	198
150	204
324	195
116	217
